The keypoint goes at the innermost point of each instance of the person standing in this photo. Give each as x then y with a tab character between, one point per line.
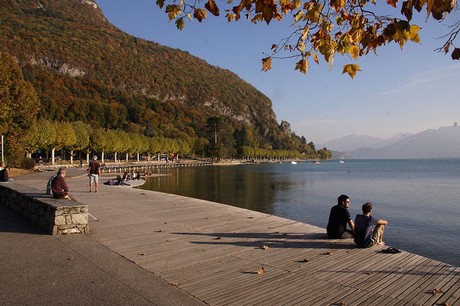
368	230
94	171
59	186
339	217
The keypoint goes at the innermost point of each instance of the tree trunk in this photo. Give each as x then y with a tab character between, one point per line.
71	157
52	156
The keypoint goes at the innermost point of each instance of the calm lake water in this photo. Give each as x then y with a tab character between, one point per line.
419	198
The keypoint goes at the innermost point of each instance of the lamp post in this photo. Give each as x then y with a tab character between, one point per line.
3	158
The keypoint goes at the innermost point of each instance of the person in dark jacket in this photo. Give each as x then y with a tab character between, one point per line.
59	186
4	172
339	217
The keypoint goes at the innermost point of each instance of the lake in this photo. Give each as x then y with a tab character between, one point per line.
419	198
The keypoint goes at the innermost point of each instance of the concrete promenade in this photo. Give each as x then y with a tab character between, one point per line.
161	249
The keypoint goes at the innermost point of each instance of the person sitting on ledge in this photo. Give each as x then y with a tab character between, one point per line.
4	177
339	217
59	185
368	230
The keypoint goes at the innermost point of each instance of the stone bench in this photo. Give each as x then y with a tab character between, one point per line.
55	216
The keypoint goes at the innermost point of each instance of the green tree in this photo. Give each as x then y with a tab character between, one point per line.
99	142
19	106
46	135
65	137
82	131
324	154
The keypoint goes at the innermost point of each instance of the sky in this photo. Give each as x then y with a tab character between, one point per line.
397	91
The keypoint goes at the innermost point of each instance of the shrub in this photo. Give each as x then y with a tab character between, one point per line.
27	163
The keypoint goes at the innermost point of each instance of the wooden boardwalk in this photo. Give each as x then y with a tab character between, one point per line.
224	255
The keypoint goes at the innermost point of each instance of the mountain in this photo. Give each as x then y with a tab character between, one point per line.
355	142
440	143
84	68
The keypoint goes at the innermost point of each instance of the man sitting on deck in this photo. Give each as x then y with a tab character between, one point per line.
338	219
365	233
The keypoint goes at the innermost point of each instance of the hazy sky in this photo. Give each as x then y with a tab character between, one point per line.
397	91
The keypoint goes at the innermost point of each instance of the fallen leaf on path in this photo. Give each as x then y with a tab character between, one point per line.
264	247
261	271
437	290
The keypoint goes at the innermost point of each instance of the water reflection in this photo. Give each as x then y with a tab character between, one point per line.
234	185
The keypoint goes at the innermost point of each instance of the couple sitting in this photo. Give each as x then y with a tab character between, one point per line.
367	231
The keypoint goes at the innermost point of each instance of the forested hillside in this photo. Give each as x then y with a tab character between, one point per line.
84	69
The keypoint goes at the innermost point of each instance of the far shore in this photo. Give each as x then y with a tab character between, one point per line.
15	172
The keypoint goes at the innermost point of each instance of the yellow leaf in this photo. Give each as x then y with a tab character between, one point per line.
212	7
315	58
305	32
351	69
392	3
189	17
354	51
301	46
298	16
180	23
266	63
173	11
230	17
264	247
160	3
199	14
261	271
302	66
414	33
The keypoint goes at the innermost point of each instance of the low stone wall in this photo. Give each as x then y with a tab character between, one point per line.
55	216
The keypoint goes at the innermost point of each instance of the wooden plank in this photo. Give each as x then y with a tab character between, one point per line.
440	283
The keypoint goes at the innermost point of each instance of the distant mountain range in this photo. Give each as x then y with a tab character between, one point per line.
434	143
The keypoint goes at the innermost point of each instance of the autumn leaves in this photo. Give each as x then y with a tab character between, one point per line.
322	28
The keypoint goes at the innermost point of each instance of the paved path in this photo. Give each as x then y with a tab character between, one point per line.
223	255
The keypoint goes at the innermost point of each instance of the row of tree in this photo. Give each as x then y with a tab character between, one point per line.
80	137
261	153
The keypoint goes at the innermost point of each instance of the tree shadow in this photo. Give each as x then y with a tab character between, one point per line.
273	240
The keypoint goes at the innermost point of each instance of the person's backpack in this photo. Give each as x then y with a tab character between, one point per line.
48	186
